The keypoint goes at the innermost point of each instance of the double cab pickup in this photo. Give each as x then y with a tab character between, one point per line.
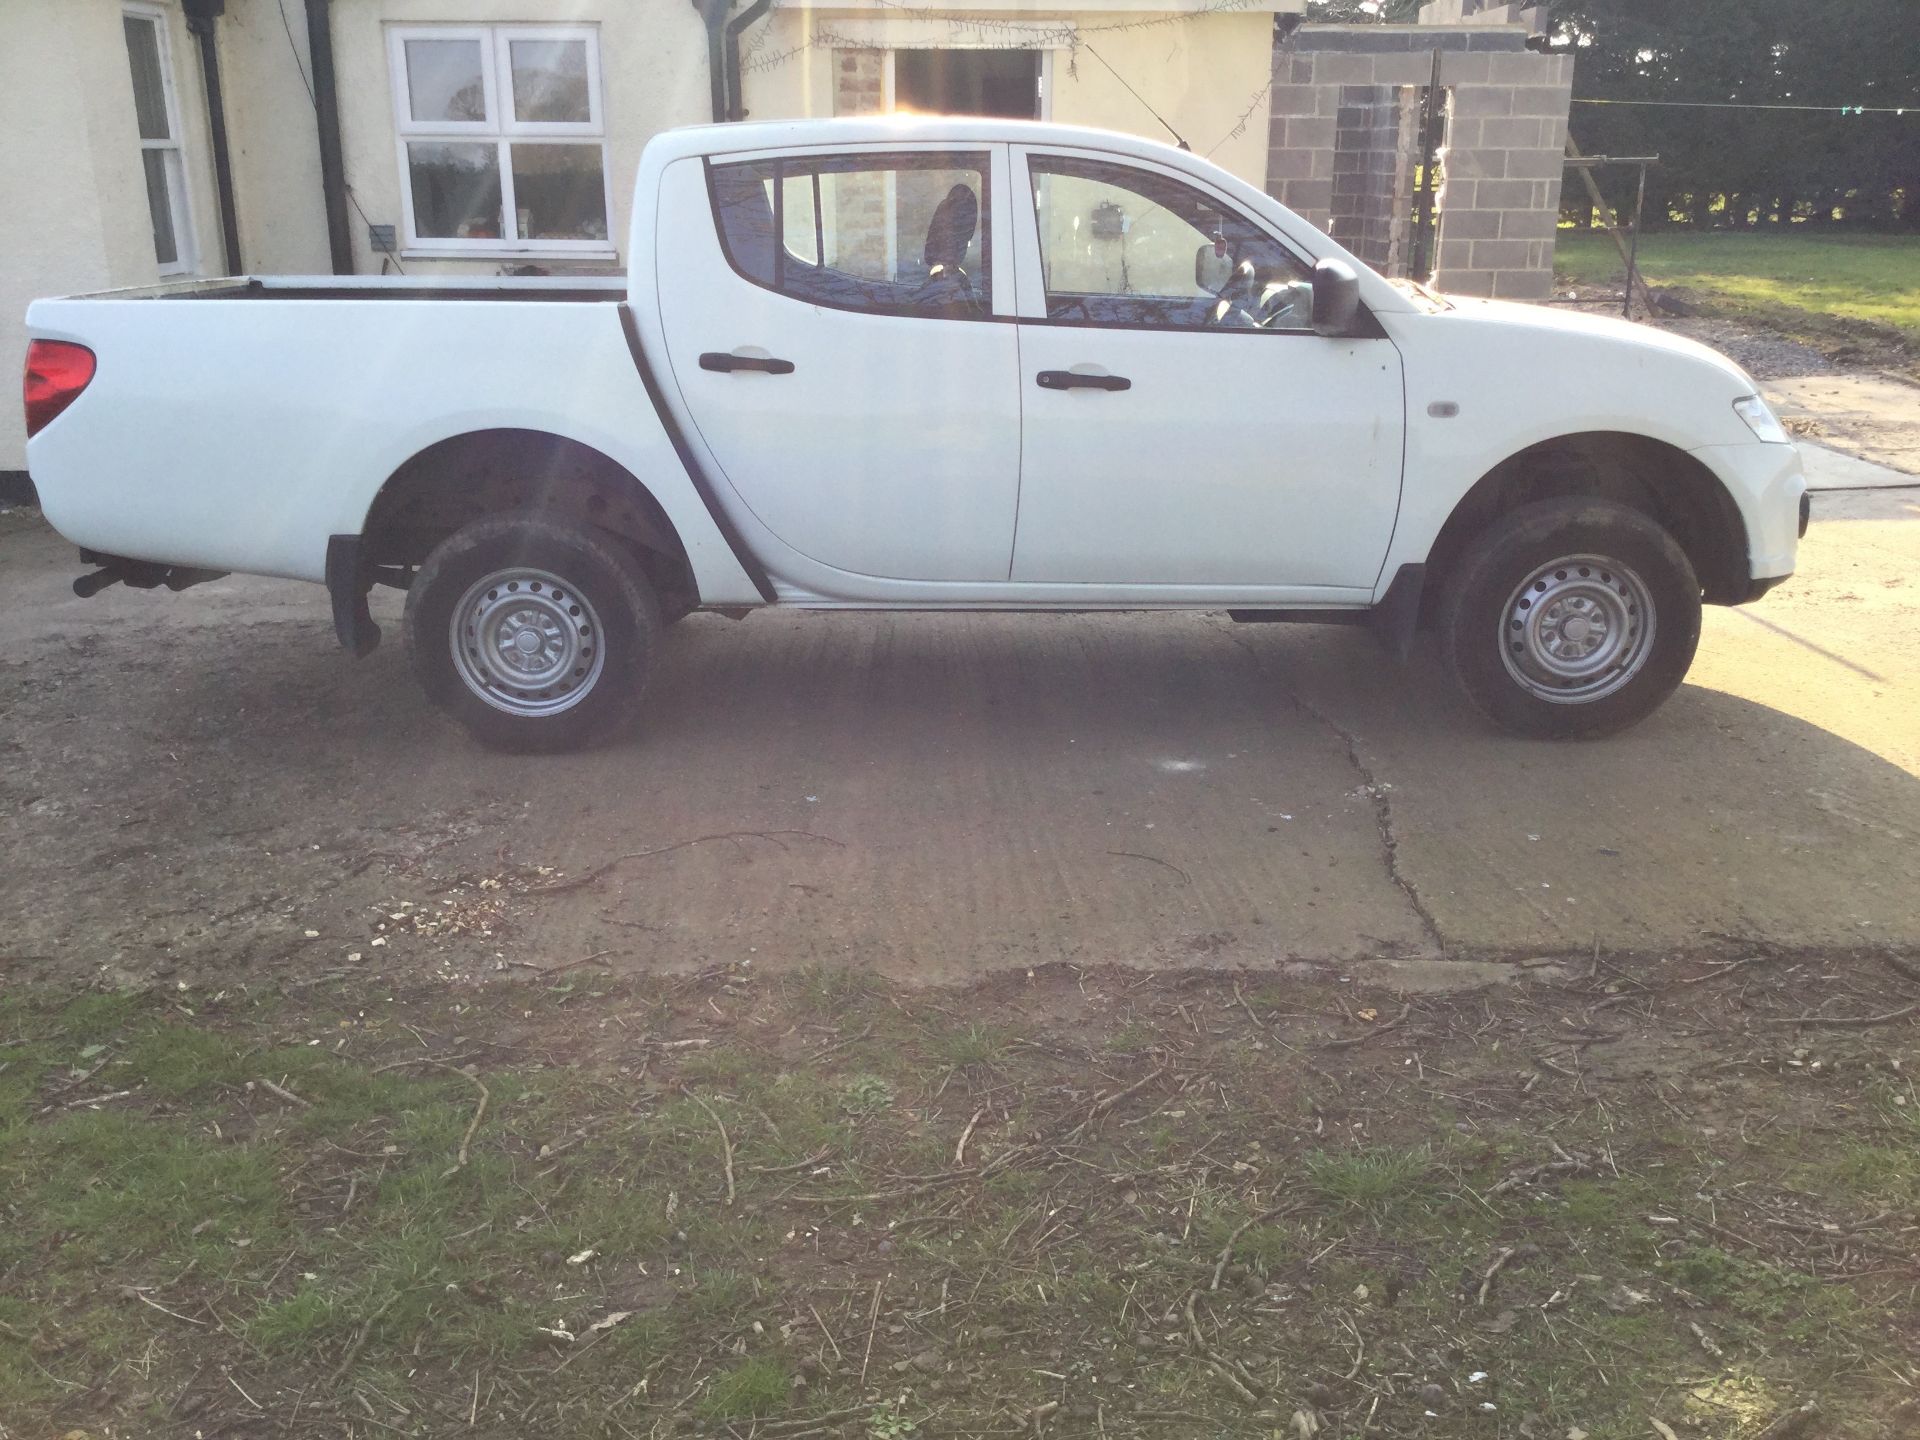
922	364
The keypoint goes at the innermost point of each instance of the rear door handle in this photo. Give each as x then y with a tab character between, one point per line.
1074	380
723	361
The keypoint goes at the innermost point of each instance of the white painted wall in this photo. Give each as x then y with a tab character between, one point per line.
273	138
1202	72
653	60
1205	73
73	200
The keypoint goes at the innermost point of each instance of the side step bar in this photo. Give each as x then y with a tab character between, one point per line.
1393	621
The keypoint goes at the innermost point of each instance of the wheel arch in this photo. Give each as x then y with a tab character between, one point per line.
1659	479
477	473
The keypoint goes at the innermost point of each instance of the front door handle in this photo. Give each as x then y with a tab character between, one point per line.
1074	380
723	361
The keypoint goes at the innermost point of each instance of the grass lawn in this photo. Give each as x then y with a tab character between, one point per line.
1066	1203
1798	283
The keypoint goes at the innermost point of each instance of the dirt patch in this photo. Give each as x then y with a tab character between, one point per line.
1063	1202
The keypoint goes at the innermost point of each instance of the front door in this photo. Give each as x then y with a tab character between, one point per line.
1184	424
835	339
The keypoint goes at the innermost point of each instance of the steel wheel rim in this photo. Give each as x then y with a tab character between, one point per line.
1577	630
526	642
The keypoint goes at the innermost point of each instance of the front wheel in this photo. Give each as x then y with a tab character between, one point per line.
535	634
1570	618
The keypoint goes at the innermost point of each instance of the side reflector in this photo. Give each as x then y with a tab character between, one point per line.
57	372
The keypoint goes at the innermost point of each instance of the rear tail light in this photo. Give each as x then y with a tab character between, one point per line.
57	372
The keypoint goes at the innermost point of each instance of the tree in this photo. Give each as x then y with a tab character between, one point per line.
1731	163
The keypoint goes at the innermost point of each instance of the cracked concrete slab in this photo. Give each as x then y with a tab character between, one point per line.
1777	794
198	780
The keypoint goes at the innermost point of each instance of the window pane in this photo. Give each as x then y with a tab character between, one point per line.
444	80
560	192
801	218
456	190
1125	246
890	233
166	247
149	89
550	81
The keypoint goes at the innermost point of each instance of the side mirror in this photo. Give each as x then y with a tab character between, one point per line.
1336	297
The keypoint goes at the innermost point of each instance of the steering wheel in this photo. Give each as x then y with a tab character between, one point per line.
1279	309
1233	298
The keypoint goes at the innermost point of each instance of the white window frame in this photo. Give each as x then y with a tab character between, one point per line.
179	202
502	129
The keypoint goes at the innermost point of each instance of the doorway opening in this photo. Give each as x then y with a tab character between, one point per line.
1001	83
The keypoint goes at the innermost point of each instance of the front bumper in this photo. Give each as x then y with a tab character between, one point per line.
1769	488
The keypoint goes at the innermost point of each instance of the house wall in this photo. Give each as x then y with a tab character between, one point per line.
273	138
653	63
73	199
1203	71
1206	73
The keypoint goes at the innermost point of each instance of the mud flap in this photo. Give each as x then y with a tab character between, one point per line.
348	582
1396	619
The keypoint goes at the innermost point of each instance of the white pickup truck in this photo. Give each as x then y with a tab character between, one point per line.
922	364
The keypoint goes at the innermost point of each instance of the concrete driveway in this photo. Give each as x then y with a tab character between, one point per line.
193	783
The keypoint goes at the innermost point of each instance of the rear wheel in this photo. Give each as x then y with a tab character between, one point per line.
535	634
1570	618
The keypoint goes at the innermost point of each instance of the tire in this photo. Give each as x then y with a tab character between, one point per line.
560	623
1569	619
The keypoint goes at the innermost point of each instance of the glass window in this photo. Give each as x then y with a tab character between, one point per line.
446	81
1123	246
898	234
502	142
456	190
157	121
550	81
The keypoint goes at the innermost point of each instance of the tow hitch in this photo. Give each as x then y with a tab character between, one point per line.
136	575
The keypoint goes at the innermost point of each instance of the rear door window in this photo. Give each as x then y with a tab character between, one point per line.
898	234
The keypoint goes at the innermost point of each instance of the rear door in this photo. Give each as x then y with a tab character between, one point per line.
837	322
1185	426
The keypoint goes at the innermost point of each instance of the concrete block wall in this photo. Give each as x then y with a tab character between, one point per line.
1501	161
1376	144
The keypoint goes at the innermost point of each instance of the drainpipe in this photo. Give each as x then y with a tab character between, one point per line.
712	13
326	109
736	110
200	17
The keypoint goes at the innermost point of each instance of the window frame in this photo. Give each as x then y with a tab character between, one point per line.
503	132
1031	269
186	248
993	228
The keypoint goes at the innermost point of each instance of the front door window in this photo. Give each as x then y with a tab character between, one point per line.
1124	246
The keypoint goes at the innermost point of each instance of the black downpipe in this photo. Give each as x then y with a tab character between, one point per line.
713	13
736	109
200	17
326	110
